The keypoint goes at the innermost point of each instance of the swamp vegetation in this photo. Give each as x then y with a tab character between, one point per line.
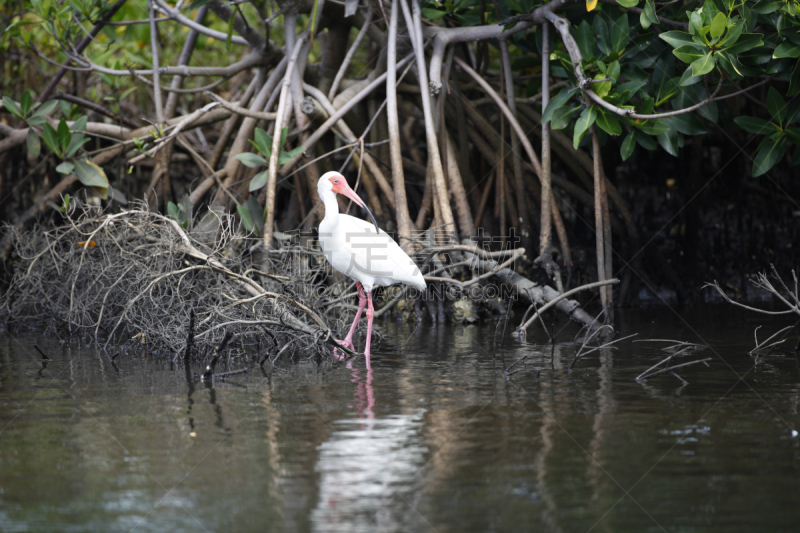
159	159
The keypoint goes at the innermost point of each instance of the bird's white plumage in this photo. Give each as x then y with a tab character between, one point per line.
354	247
376	260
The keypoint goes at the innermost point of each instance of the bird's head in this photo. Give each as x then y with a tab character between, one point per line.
335	183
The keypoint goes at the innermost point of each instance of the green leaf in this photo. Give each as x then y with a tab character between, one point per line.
655	127
769	154
284	133
643	20
601	89
620	33
45	109
718	25
601	34
627	146
709	12
786	49
562	117
628	3
559	100
687	78
608	123
582	125
80	124
263	142
64	135
687	124
433	14
25	102
36	121
704	65
285	157
34	144
753	124
65	168
90	174
745	42
792	111
256	214
247	220
775	105
733	34
51	138
794	135
12	107
695	23
676	39
585	39
614	71
632	86
688	53
667	90
670	142
765	7
644	140
794	80
251	160
259	180
650	11
78	140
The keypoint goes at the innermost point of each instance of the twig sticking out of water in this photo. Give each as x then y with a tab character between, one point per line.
521	332
505	325
44	355
578	355
669	369
226	374
189	338
678	347
507	373
209	373
763	282
766	346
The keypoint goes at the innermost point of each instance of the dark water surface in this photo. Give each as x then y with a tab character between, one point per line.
434	438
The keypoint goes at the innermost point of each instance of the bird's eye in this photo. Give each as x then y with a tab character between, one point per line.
336	181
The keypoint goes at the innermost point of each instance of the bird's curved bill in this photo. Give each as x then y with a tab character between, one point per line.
350	193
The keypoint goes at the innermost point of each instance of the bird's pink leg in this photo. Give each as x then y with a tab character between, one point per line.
370	314
362	301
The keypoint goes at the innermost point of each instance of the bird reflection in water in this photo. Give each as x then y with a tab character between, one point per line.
366	462
365	396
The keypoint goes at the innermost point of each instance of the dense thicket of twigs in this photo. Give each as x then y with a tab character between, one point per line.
132	275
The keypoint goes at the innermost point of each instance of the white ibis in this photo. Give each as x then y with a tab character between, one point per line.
361	251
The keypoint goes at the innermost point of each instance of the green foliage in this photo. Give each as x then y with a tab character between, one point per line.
181	212
64	141
263	145
637	62
252	215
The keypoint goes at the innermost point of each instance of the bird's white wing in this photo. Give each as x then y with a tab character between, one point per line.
374	254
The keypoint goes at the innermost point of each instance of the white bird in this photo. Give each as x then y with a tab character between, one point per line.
361	251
